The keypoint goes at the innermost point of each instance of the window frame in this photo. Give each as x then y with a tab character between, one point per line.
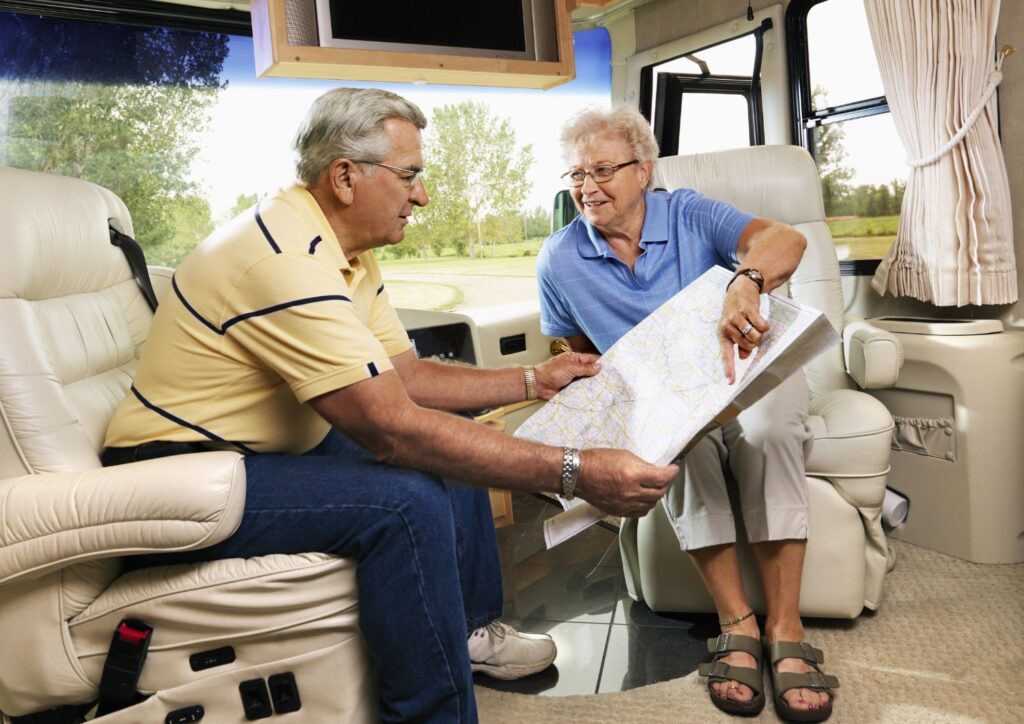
748	86
805	119
668	115
138	12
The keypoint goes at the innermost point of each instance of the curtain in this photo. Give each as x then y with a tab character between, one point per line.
954	245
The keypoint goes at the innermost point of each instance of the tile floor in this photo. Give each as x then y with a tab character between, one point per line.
576	593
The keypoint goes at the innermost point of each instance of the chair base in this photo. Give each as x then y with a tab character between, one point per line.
833	585
333	684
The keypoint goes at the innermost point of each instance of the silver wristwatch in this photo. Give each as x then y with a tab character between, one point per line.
570	471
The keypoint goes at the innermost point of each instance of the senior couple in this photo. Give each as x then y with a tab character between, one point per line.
316	377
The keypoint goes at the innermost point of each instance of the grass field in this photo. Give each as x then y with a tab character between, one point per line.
850	248
863	238
856	238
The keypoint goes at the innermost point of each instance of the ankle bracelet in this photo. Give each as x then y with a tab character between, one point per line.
741	619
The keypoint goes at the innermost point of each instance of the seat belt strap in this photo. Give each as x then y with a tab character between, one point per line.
136	260
123	666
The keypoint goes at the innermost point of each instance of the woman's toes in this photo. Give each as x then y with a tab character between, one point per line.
742	693
800	699
733	691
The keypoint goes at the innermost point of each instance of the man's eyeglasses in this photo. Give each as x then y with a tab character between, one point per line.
600	174
409	175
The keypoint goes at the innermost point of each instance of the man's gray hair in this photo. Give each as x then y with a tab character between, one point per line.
349	123
619	122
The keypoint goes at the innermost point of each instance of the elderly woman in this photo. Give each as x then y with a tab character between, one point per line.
631	250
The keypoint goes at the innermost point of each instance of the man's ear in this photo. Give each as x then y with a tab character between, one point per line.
341	175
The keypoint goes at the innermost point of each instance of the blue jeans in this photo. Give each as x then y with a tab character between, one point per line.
428	570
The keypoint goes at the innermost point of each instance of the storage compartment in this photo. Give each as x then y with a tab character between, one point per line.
286	44
959	412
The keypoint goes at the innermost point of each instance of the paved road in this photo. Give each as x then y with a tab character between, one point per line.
478	291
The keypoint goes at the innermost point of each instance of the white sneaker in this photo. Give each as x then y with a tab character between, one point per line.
500	651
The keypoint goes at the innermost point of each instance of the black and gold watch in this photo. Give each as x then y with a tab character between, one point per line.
752	274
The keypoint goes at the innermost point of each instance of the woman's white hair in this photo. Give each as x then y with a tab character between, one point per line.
349	123
619	122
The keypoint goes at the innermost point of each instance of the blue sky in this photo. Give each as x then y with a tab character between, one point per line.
247	148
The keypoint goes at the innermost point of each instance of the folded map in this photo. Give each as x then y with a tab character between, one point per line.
663	385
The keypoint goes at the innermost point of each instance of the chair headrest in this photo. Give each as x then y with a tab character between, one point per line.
53	236
776	182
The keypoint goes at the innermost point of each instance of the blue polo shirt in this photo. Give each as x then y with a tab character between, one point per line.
586	289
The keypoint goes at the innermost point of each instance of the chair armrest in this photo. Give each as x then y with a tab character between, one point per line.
852	444
873	355
53	520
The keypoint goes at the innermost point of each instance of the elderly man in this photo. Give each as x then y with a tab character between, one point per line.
639	248
279	341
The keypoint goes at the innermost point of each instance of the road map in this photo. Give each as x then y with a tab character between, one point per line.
663	385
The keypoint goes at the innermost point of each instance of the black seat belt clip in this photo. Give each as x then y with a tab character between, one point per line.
123	667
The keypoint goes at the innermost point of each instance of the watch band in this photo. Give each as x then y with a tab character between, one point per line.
531	382
752	274
570	471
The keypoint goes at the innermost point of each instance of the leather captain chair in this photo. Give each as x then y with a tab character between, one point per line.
846	469
72	327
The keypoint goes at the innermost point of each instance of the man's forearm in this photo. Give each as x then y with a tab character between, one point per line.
380	416
442	386
463	450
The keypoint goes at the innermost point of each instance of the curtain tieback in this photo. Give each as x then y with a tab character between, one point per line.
994	79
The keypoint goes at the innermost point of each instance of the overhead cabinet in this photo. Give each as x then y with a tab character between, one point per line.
292	39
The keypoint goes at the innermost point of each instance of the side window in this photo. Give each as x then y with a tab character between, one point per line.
708	99
161	109
841	116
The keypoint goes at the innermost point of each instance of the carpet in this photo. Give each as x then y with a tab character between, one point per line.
946	645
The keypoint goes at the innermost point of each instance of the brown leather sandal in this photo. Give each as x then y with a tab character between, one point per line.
718	670
784	681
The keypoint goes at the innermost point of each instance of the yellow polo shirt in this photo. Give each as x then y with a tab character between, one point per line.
264	315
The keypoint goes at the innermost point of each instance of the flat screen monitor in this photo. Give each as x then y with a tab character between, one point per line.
482	28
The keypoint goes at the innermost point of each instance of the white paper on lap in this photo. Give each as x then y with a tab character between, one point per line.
662	385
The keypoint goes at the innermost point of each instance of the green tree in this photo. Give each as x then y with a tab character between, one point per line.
829	155
537	222
475	171
132	127
502	228
243	202
418	240
192	222
898	189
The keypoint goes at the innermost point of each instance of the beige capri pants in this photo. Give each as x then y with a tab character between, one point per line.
764	447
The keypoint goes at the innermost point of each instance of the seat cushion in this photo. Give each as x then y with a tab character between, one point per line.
266	608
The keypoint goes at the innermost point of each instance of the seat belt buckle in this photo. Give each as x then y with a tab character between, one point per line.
121	671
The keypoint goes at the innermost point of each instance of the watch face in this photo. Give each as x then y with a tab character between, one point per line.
755	276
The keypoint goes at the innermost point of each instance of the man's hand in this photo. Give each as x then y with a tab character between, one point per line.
559	371
620	483
742	324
